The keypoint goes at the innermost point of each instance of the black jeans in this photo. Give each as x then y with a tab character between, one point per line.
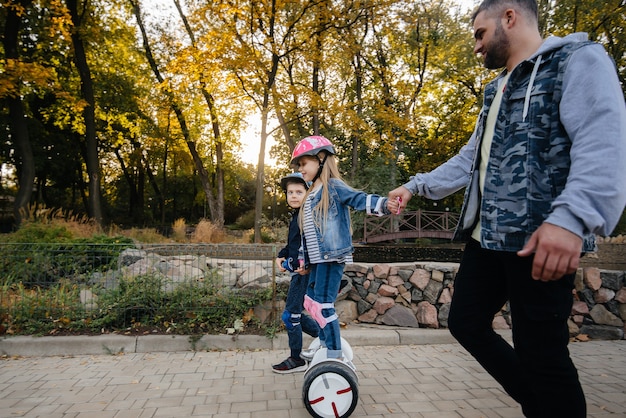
537	370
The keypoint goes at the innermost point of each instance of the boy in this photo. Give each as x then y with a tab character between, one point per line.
289	259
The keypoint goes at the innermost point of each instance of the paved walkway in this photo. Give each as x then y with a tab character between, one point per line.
430	380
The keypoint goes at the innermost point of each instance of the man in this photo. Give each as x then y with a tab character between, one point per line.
544	172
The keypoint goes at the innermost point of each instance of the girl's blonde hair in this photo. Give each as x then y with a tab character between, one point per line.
329	170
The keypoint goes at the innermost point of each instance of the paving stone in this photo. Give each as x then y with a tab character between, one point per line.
431	380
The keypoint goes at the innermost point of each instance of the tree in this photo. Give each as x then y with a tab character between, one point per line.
176	107
17	121
78	14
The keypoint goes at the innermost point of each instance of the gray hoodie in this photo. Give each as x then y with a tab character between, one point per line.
575	180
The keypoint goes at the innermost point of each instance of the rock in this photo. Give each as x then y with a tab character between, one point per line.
356	268
602	332
620	296
591	277
263	312
343	292
130	256
346	310
382	304
405	274
444	311
405	295
573	328
420	278
141	267
399	316
579	283
578	319
602	316
445	297
88	299
395	281
603	295
363	306
228	275
253	273
386	290
437	275
427	315
381	271
580	308
369	316
432	291
612	279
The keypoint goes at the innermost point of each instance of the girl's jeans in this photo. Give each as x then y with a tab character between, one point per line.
537	370
299	322
324	282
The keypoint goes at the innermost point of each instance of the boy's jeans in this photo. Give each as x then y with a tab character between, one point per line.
304	323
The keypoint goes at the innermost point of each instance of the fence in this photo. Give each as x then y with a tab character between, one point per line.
180	288
411	224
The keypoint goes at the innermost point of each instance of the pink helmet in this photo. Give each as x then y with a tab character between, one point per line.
311	145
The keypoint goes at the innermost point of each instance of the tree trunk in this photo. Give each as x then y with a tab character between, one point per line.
25	162
86	89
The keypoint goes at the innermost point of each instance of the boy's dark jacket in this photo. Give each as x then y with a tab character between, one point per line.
294	240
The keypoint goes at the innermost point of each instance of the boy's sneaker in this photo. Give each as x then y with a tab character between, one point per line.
291	365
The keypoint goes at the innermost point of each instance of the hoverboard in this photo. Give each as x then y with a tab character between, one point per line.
330	385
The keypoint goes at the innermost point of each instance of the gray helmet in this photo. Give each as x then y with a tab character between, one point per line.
293	178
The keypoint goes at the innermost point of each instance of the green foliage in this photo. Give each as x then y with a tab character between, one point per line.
41	311
32	232
134	305
246	221
41	284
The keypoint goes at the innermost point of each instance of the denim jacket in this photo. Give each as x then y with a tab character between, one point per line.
335	235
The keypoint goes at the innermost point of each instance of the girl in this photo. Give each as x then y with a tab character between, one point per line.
327	232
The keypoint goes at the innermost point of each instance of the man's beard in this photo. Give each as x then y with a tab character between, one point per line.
498	49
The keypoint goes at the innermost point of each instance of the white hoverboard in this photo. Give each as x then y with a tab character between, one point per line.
330	385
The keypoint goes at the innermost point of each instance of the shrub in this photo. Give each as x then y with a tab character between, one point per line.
179	230
207	232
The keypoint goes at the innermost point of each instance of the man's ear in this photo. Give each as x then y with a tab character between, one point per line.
510	17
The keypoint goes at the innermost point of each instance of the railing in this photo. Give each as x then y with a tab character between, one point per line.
416	224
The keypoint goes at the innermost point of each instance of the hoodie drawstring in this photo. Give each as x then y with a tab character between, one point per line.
530	87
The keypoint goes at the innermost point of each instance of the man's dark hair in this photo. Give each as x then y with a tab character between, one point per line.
495	6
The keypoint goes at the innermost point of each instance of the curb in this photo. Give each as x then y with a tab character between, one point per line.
112	344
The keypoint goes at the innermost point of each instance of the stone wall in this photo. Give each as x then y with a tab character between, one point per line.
419	295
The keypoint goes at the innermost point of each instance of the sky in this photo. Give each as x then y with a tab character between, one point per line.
250	149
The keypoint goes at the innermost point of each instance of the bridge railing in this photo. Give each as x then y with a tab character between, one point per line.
413	224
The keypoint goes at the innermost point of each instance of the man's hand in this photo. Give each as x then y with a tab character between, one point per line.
557	252
404	194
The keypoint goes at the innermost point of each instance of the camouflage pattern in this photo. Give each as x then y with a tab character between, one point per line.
530	157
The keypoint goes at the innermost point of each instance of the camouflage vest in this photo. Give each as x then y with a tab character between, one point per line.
530	156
